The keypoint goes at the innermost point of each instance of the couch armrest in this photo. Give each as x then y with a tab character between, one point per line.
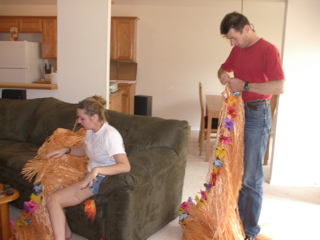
145	165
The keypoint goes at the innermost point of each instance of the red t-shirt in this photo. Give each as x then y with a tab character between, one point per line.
257	63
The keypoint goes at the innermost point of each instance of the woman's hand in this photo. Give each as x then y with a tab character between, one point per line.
122	166
57	153
75	151
90	177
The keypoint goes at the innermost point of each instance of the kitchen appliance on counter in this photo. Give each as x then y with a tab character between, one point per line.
113	87
20	61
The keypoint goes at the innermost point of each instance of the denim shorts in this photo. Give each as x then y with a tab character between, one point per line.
96	185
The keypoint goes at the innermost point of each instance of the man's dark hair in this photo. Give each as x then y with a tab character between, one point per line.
234	20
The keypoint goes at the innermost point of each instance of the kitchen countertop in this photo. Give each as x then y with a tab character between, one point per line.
40	86
123	81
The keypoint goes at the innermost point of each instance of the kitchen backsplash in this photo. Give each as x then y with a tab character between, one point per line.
31	37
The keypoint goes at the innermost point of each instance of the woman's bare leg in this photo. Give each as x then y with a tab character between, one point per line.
68	231
66	197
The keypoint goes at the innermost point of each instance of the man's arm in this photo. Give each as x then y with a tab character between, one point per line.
266	88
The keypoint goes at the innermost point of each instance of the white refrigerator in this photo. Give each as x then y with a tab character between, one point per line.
20	62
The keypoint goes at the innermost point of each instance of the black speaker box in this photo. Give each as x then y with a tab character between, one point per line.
14	94
143	105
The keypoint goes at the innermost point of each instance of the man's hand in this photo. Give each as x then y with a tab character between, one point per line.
223	76
236	85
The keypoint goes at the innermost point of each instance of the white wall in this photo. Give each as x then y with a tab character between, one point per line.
83	51
179	44
296	160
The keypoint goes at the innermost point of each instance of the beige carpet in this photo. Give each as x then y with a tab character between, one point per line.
288	213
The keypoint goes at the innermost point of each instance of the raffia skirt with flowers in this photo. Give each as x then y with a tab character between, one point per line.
214	215
48	176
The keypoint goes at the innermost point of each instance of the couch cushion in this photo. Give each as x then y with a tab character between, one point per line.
52	114
14	155
16	118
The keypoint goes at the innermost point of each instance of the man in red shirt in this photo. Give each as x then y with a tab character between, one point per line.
256	66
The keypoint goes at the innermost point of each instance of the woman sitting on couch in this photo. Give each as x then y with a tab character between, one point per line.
103	144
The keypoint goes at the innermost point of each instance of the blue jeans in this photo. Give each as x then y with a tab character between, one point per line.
96	185
256	132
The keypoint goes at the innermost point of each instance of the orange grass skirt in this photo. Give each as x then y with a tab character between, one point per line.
215	216
53	174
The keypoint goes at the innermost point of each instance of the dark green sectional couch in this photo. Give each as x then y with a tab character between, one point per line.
130	206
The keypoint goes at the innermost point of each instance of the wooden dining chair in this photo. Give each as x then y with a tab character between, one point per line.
204	123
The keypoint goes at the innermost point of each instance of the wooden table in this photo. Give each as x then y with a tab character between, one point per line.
5	231
213	107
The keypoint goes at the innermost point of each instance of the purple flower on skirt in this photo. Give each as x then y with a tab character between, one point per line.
229	124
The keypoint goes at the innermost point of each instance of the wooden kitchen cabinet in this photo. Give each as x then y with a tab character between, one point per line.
129	91
7	22
24	24
30	25
115	101
49	37
123	38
